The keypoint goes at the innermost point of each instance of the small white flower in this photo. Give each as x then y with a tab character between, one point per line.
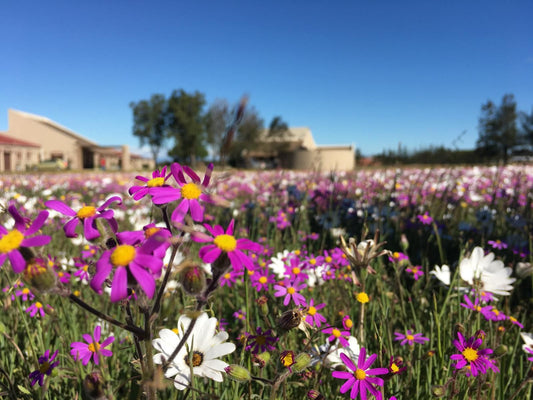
442	274
528	339
202	349
486	274
333	359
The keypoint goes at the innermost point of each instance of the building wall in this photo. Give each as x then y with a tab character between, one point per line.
320	159
17	158
54	143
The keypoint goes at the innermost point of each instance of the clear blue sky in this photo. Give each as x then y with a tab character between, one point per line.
370	73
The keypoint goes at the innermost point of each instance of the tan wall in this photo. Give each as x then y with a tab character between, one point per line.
52	141
18	158
321	159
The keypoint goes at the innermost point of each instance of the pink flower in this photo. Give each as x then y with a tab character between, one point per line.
416	271
225	242
290	291
129	263
425	219
360	378
92	348
87	215
191	193
19	237
410	338
313	317
158	180
336	333
471	356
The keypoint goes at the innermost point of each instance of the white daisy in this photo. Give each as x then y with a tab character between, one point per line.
202	349
330	354
486	274
442	274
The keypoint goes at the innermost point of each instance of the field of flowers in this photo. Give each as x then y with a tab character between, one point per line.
386	284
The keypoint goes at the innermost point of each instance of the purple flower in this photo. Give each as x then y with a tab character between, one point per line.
46	367
92	348
360	378
415	271
425	219
410	338
225	242
313	317
191	193
36	308
336	333
11	241
290	291
485	311
470	355
158	180
261	279
261	341
25	293
129	263
87	215
230	277
497	244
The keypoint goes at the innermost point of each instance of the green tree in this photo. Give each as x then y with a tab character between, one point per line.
150	122
246	138
498	131
187	126
526	122
217	119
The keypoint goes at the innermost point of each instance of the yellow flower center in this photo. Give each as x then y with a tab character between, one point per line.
495	311
122	255
150	231
155	182
175	330
11	241
335	332
225	243
190	191
85	212
196	359
44	367
312	261
394	368
76	293
25	291
297	252
263	280
410	337
360	375
311	311
470	354
362	297
287	358
94	347
227	275
328	259
291	290
39	304
33	270
260	340
348	323
512	319
296	270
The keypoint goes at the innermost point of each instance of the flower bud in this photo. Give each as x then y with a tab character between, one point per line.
458	327
262	302
290	319
438	391
301	362
192	278
39	275
500	350
404	243
262	359
238	373
93	386
314	395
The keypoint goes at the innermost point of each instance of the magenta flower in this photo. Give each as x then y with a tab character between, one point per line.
225	242
425	219
25	293
290	291
191	193
410	338
46	367
261	279
294	269
87	215
19	237
261	341
485	311
313	317
230	277
92	348
36	308
158	180
336	333
471	356
415	271
130	263
497	244
360	378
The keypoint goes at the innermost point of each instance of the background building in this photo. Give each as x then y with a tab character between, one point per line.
31	139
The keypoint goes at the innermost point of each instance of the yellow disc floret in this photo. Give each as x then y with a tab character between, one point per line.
470	354
359	374
190	191
225	243
86	212
311	311
362	297
155	182
11	241
94	347
122	255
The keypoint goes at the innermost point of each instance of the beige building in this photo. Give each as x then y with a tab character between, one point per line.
37	139
296	149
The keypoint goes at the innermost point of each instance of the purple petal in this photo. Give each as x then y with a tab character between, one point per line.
61	207
207	176
103	269
34	241
37	224
17	261
108	202
70	227
89	231
361	360
96	334
209	253
369	362
229	231
165	195
180	211
108	341
195	178
119	287
143	278
197	211
147	261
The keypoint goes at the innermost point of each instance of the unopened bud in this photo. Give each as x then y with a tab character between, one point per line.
238	373
404	243
500	350
192	278
458	327
39	275
262	302
314	395
438	391
301	362
262	359
93	386
480	334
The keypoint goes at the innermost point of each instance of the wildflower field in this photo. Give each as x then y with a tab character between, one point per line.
173	284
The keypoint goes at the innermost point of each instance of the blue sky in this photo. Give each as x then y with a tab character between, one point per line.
371	74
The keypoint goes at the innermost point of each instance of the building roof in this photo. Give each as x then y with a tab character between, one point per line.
5	139
299	136
55	125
